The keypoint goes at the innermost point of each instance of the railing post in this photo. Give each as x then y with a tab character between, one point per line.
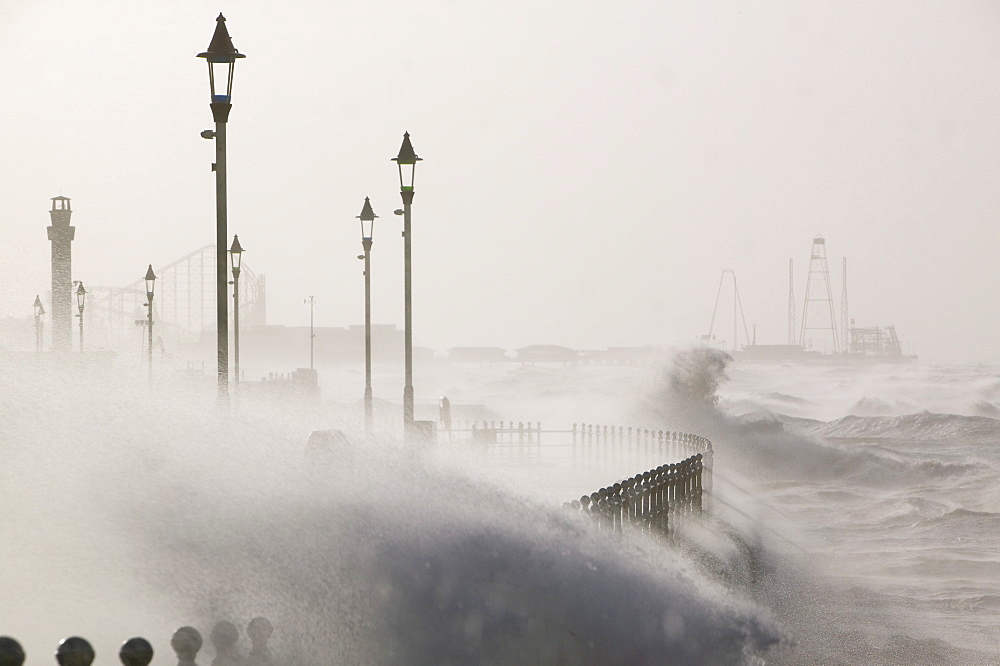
223	638
572	451
259	631
647	499
74	651
697	483
538	439
11	653
709	463
135	652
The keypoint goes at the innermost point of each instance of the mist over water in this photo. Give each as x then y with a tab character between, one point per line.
136	510
880	530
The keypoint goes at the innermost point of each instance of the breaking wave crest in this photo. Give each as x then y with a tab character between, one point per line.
924	426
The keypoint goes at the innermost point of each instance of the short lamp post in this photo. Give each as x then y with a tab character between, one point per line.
367	218
406	161
235	256
221	57
39	313
81	297
150	285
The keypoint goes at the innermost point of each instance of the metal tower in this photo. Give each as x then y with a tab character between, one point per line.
61	235
737	310
791	304
819	292
844	334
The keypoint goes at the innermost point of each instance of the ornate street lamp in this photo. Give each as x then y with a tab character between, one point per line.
406	161
235	256
39	313
81	297
150	285
221	57
367	218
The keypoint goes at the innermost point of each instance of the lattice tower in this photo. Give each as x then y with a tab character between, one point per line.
819	296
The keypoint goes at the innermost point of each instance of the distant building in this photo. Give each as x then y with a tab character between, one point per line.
477	355
547	354
623	356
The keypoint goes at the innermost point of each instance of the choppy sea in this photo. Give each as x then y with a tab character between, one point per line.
855	519
883	480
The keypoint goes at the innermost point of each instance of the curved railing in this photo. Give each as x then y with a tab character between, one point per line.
656	499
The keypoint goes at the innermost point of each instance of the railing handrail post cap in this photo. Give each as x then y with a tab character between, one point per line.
224	635
136	651
259	629
186	642
11	652
74	651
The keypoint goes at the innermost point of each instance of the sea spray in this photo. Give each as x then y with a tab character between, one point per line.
138	512
792	496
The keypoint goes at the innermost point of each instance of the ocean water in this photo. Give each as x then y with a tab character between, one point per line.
848	525
881	482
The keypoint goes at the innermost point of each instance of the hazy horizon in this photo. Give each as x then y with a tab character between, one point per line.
588	170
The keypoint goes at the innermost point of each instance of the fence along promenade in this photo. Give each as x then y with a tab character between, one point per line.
582	443
652	501
186	642
655	500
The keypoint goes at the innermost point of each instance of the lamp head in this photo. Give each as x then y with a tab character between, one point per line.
236	256
406	160
81	296
367	218
150	281
221	57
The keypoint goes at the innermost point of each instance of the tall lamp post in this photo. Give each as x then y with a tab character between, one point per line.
150	285
407	163
367	218
235	255
39	313
221	57
81	297
312	336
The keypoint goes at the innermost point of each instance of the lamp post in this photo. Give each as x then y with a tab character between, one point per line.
367	218
221	57
81	297
150	285
235	255
39	313
406	161
312	336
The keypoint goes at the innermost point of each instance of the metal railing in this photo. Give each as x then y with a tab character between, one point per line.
186	642
648	502
581	444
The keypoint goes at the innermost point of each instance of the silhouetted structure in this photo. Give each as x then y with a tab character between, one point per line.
546	354
819	290
61	236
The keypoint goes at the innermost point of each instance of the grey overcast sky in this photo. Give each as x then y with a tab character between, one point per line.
589	168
